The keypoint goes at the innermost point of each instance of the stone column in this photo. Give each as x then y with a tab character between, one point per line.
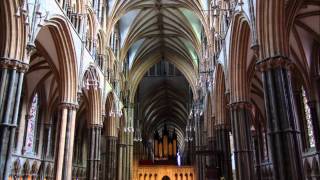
129	135
224	151
130	154
94	152
281	118
124	158
66	139
120	167
198	140
212	153
11	81
111	157
240	119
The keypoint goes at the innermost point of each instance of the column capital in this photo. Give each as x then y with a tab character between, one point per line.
277	61
69	105
7	63
111	137
95	126
240	105
224	127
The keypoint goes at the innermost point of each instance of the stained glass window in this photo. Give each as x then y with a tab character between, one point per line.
32	124
309	127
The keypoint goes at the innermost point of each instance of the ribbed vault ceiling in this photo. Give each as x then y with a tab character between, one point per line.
161	29
163	100
159	26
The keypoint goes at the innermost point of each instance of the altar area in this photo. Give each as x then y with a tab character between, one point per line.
164	172
161	158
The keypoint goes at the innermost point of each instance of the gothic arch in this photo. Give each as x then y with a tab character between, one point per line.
92	91
13	34
138	71
66	56
26	168
238	59
272	32
110	119
90	24
34	168
220	89
16	168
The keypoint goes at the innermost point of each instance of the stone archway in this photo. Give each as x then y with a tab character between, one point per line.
165	178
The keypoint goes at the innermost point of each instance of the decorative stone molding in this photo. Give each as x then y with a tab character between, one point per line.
224	127
6	63
274	62
240	105
68	105
95	126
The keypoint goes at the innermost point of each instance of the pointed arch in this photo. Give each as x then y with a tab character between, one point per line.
92	91
13	34
138	71
110	119
220	99
238	59
66	56
272	29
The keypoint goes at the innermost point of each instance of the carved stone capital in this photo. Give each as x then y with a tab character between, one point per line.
79	97
6	63
273	63
224	127
240	105
68	105
95	126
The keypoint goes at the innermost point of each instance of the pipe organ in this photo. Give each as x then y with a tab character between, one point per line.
165	146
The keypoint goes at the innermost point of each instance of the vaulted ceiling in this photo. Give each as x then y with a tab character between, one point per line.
150	27
163	100
153	30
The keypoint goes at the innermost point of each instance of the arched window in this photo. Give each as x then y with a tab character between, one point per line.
33	126
308	127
